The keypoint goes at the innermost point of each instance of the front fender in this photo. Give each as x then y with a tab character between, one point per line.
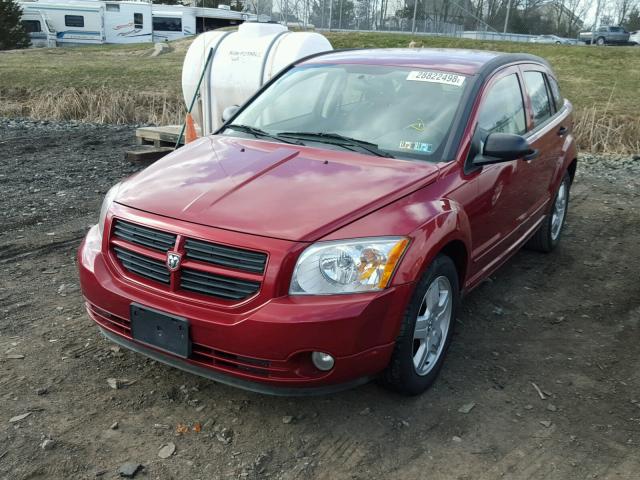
430	224
447	224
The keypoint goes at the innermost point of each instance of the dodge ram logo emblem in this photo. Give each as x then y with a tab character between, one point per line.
173	261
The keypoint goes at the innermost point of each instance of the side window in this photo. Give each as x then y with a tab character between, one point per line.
167	24
113	7
555	92
137	20
32	26
502	109
534	81
74	21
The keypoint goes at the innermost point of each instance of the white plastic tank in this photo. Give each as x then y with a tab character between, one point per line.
242	62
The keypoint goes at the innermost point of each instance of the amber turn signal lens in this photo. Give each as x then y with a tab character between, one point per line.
395	254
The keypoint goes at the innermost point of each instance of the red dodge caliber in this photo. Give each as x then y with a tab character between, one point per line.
326	233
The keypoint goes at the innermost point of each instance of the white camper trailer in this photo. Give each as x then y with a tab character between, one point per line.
98	21
95	22
40	31
171	22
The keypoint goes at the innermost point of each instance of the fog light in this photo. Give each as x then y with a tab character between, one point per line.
322	361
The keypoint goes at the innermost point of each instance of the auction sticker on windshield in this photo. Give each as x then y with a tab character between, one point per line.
436	77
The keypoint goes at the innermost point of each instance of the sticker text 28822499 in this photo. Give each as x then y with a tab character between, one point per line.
436	77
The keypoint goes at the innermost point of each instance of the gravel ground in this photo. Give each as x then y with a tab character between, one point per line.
566	324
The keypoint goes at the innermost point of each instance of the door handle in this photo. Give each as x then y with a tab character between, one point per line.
562	131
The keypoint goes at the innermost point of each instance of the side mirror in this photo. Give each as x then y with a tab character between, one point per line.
229	112
504	147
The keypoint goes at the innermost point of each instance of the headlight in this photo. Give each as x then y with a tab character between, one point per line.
347	266
106	203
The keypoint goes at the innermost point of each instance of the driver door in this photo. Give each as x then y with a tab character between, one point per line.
500	205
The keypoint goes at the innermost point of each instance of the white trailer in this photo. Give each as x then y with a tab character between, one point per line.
95	22
98	21
41	32
171	22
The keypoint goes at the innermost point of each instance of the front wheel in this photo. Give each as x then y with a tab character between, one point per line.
548	235
426	330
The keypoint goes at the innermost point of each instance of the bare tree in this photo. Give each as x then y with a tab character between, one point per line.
622	8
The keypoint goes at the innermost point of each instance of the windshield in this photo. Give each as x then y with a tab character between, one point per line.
390	111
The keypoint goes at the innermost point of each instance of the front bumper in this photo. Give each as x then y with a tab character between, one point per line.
265	348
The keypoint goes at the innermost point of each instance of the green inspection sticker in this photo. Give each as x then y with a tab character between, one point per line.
416	146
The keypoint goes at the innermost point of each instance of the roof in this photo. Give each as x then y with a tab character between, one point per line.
466	62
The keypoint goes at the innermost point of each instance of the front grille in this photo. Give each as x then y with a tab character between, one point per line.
142	265
136	248
217	285
144	236
224	256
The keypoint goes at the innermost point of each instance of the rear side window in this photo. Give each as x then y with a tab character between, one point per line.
555	93
113	7
502	109
32	26
137	20
74	20
537	89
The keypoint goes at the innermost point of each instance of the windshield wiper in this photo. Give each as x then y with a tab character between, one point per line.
256	132
341	140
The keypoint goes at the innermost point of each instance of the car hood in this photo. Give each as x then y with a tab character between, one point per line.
271	189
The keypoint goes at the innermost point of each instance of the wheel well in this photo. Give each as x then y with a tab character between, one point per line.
572	168
457	252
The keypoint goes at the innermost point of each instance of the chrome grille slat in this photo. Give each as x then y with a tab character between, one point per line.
210	291
147	237
225	256
143	266
217	285
208	276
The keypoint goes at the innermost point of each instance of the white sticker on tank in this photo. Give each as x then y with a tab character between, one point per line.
436	77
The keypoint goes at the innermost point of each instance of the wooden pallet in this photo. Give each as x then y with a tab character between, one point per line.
155	142
159	136
146	154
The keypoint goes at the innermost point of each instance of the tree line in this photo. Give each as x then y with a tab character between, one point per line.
560	17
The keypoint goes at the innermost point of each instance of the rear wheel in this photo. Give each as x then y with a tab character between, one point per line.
548	235
600	41
426	330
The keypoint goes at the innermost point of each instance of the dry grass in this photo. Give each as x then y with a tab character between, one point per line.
122	84
99	105
598	131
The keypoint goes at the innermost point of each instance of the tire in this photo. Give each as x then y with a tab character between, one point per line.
548	235
600	41
402	374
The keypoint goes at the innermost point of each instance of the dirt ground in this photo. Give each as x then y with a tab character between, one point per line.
568	322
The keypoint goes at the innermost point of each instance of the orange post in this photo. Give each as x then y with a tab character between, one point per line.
191	133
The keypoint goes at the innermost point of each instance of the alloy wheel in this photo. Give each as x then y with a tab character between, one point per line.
432	325
559	211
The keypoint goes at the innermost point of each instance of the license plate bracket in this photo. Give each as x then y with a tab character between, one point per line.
160	330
